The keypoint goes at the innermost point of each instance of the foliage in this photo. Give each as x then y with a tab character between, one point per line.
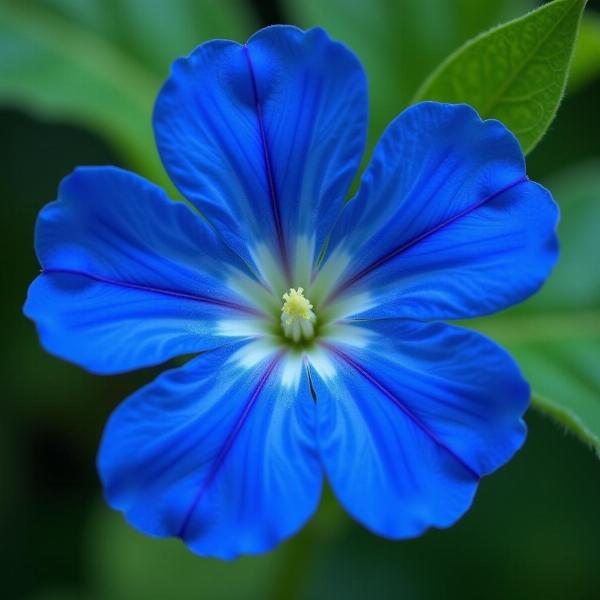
555	336
515	73
99	64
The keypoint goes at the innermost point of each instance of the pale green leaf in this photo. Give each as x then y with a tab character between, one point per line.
52	67
516	72
156	32
555	336
101	64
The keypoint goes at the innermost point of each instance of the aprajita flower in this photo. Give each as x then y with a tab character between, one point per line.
320	326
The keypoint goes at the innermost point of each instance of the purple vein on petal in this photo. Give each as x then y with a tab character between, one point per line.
413	242
398	402
268	165
224	451
153	290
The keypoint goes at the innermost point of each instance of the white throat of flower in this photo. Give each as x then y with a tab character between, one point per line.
297	316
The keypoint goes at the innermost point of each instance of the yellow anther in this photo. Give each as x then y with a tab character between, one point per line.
297	316
295	304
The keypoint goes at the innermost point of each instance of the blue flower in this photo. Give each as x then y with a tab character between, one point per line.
320	326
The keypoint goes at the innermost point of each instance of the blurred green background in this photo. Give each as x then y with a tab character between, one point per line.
77	81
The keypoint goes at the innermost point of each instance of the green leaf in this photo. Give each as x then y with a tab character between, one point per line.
50	66
101	64
555	336
586	62
127	565
155	32
124	564
399	43
515	73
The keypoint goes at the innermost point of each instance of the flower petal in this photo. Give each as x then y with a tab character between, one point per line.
265	137
129	278
410	421
216	453
445	224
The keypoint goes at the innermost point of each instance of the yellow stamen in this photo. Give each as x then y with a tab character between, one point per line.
297	317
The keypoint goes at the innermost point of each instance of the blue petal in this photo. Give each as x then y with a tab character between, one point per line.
129	278
410	422
265	137
446	224
216	453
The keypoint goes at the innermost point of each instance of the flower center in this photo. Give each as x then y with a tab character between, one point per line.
297	317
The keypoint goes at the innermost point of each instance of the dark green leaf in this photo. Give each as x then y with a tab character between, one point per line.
399	43
515	73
